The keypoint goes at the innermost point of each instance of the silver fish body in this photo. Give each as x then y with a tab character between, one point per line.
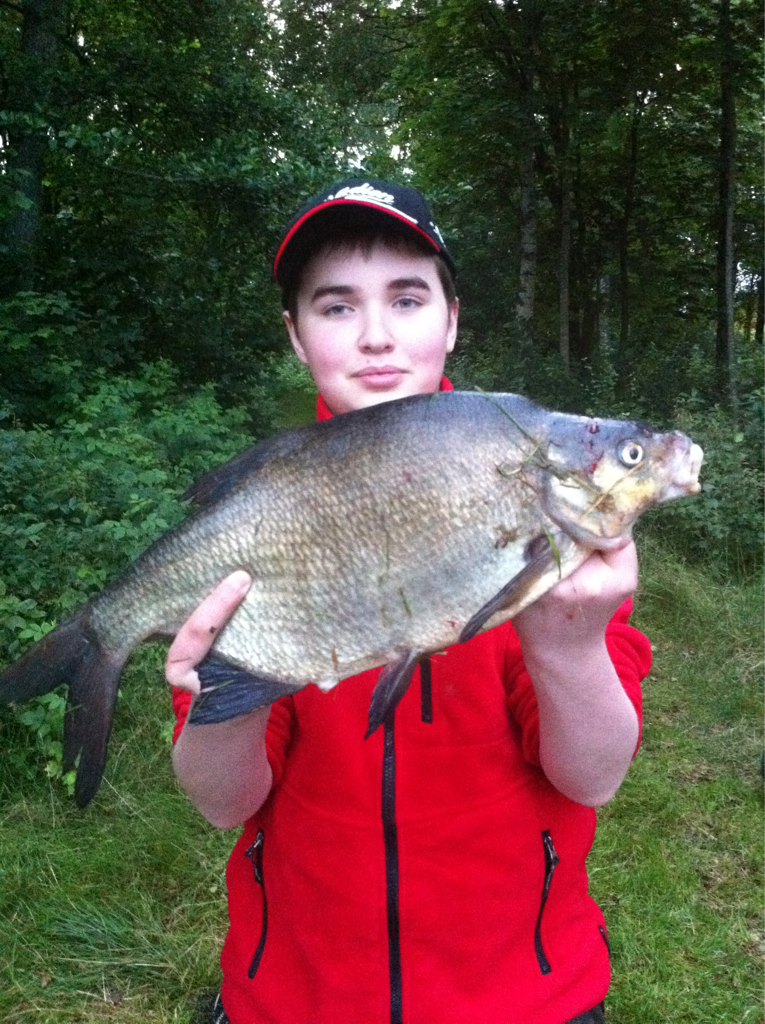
372	539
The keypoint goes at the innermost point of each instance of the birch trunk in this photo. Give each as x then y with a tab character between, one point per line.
726	266
527	274
564	274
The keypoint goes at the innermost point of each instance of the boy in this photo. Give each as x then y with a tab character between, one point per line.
434	873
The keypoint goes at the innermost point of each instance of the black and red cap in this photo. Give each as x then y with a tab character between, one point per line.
357	201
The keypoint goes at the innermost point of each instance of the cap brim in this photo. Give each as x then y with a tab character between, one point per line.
380	208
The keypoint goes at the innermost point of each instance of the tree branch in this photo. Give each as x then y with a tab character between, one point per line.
75	49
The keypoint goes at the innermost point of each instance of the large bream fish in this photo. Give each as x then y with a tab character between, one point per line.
372	539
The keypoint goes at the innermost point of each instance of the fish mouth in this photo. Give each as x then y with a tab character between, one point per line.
685	477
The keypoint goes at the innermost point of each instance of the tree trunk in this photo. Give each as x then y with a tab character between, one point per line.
524	309
726	266
564	275
584	313
564	270
28	138
630	179
531	15
748	313
759	320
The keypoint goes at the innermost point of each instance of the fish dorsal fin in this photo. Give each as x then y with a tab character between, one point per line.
333	438
224	479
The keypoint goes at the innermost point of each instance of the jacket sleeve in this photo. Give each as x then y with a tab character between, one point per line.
278	731
181	705
630	653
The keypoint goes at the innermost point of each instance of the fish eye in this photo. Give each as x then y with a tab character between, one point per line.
631	453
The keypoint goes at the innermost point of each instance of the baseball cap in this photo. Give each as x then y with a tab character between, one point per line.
358	201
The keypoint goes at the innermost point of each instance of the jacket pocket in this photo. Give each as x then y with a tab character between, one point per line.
551	862
255	854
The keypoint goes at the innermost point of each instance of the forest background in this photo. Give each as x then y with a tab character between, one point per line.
595	167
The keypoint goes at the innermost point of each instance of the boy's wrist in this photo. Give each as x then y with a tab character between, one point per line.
251	721
571	665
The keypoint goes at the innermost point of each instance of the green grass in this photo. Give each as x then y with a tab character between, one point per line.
678	860
117	913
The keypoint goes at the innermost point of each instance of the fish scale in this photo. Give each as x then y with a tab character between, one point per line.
373	539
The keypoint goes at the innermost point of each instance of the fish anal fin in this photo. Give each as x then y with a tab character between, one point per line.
513	592
229	692
392	684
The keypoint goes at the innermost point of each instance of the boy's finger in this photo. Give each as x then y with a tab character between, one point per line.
624	563
603	575
198	633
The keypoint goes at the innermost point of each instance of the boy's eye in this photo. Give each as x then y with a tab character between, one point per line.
407	302
336	309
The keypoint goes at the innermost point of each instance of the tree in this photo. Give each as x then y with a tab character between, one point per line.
150	169
40	27
726	263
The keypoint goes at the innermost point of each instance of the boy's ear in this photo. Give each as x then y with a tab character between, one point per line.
451	330
295	341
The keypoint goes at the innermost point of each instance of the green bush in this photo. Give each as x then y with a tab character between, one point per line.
722	526
79	501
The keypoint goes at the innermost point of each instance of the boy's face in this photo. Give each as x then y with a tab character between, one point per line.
373	326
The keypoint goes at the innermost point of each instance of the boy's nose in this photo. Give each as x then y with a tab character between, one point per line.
375	335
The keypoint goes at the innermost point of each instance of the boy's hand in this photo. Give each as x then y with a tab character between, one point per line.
197	635
573	615
223	767
588	727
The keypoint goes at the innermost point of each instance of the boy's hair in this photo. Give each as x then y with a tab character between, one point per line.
344	231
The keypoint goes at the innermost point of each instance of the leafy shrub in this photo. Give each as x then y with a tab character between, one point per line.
37	334
722	526
80	501
283	394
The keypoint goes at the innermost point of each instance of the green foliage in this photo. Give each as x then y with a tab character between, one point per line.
723	526
45	720
37	334
81	500
283	394
167	160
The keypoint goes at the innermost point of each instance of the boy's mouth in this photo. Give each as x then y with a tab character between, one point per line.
380	376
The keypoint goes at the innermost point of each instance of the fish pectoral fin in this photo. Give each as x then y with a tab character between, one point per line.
229	692
392	684
513	591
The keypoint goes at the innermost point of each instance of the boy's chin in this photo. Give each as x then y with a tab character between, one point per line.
366	397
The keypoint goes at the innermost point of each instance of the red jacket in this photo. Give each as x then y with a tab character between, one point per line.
428	875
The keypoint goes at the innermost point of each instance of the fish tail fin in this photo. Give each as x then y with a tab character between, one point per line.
73	654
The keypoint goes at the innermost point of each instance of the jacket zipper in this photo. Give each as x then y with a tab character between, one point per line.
426	692
255	853
551	861
390	841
